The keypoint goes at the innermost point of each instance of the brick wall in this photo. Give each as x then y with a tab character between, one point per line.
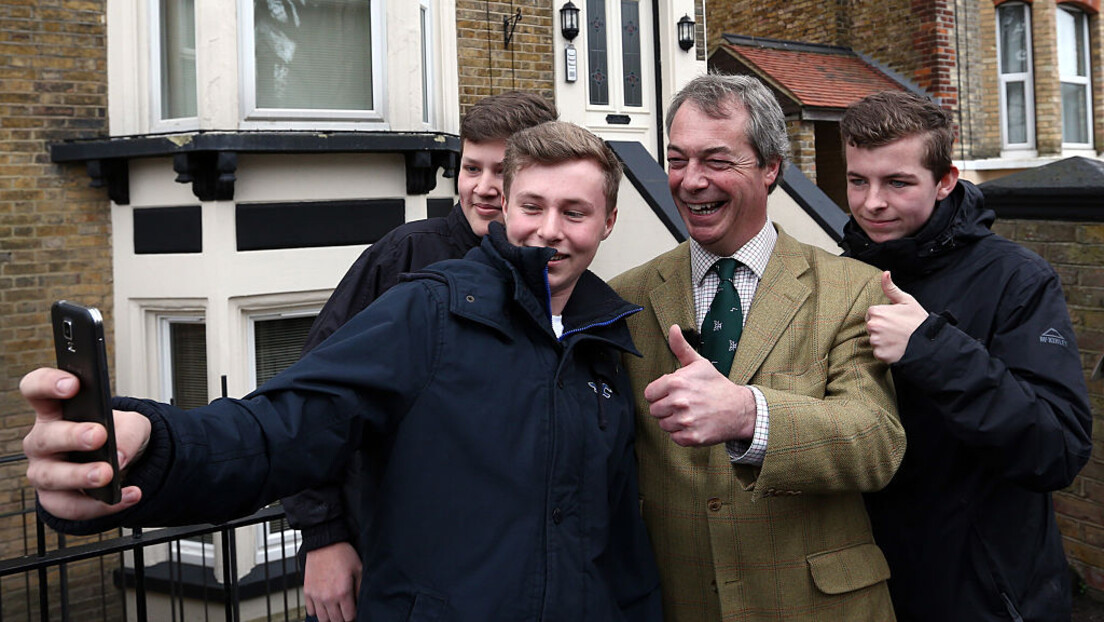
803	147
889	32
978	115
1048	96
1076	250
54	229
792	20
487	67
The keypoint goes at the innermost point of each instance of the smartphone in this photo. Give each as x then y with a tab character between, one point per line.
81	351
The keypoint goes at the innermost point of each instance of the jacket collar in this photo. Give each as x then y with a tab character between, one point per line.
594	309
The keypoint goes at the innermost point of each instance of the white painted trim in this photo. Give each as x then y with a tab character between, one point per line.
1026	77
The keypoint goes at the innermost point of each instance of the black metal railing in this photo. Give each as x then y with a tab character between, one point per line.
48	576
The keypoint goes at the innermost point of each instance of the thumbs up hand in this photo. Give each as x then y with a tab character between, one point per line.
890	326
695	404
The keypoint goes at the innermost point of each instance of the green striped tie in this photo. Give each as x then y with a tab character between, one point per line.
725	321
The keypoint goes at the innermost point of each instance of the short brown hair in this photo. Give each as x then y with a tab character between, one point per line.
556	142
497	117
881	118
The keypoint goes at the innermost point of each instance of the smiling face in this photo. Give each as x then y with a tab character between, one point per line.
562	206
480	183
890	192
715	178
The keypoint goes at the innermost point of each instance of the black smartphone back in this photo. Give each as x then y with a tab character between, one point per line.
81	351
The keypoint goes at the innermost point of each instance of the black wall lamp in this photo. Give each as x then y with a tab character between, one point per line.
509	25
569	21
686	33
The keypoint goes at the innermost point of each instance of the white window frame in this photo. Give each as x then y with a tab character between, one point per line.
1085	81
292	118
159	123
268	541
251	339
164	346
191	551
1026	77
428	51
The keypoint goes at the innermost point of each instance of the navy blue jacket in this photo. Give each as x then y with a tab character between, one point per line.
335	512
509	491
995	408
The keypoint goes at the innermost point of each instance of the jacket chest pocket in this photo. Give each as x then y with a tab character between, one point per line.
812	381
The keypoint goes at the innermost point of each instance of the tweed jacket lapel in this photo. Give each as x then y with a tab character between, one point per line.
779	295
673	299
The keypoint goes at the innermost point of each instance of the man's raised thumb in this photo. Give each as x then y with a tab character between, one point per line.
894	293
681	348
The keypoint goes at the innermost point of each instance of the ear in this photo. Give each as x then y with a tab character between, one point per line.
771	170
947	183
611	219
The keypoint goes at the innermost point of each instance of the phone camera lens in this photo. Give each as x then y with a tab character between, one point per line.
67	329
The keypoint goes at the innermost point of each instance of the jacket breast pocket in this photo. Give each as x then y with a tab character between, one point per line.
848	569
811	381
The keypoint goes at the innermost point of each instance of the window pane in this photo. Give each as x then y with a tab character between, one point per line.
278	344
1013	38
1071	43
313	54
1075	114
425	64
178	59
597	52
630	52
188	346
1017	113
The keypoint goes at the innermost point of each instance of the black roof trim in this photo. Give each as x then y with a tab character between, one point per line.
781	44
208	159
153	145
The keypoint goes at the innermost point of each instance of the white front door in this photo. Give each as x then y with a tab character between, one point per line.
614	91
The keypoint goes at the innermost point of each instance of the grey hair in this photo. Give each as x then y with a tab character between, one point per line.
716	94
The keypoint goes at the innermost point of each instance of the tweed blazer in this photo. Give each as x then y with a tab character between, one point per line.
789	540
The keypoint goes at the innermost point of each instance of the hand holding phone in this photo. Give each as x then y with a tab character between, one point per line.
81	350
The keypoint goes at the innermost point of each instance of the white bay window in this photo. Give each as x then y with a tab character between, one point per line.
1017	96
1073	69
312	59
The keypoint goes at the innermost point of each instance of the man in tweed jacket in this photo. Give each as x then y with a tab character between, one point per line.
751	485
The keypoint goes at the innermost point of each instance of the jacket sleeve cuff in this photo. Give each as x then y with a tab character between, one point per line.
923	339
148	473
323	535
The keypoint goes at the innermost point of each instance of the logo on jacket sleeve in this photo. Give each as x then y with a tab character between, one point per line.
1053	337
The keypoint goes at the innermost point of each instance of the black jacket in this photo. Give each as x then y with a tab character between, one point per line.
993	400
334	512
510	489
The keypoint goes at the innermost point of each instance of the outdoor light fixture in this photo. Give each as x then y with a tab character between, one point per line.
686	33
569	20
